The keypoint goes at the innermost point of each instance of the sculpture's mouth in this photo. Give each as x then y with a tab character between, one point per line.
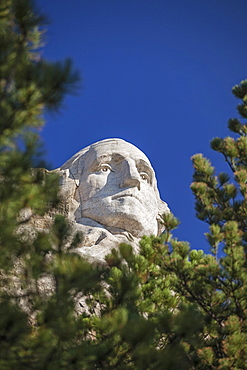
123	195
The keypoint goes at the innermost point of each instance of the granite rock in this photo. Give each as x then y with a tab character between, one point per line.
110	195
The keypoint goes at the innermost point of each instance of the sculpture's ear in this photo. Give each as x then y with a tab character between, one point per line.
72	167
74	170
75	164
162	208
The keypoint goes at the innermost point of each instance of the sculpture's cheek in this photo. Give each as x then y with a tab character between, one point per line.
92	185
148	198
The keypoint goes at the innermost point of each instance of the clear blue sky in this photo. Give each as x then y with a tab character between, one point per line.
156	73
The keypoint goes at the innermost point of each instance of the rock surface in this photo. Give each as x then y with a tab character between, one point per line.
110	195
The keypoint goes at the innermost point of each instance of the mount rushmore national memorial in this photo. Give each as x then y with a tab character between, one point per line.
110	194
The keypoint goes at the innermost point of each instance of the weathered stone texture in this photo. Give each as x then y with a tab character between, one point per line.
110	194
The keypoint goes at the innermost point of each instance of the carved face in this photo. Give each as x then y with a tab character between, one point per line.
117	188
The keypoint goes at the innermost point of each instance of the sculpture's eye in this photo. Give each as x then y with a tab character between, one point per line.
144	176
105	168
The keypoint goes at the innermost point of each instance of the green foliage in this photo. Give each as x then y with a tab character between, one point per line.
221	202
168	307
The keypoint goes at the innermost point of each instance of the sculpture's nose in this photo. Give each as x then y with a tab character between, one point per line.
131	175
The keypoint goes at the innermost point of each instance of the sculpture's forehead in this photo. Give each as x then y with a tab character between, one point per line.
120	147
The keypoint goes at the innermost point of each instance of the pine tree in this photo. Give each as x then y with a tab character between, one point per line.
28	86
177	308
221	202
169	307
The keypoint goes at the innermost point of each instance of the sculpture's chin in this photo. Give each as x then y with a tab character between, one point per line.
125	213
127	222
134	227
